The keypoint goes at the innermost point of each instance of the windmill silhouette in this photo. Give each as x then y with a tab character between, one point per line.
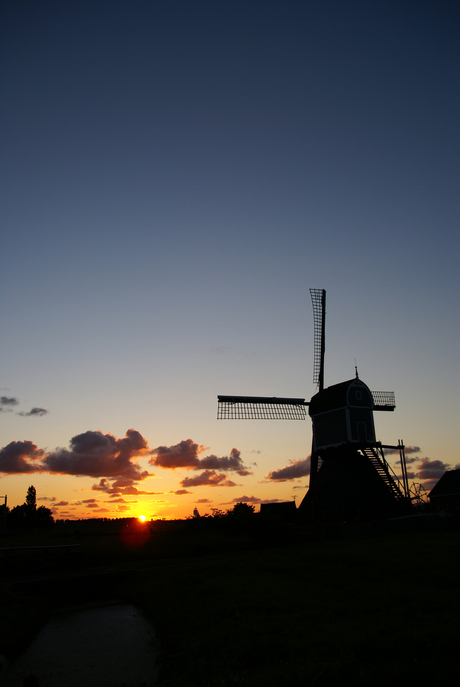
350	478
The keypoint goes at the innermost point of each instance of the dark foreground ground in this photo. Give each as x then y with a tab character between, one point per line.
252	605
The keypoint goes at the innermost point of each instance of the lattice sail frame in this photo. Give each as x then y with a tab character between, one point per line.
261	408
318	301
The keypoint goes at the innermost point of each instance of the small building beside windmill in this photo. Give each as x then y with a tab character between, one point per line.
283	510
445	495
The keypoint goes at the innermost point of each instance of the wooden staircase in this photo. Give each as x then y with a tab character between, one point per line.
376	457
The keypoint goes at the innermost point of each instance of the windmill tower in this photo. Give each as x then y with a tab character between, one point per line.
350	478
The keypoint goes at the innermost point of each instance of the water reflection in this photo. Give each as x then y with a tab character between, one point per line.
97	647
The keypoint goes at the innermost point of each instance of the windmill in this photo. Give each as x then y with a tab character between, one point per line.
349	475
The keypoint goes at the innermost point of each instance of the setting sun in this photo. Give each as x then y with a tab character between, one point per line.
141	518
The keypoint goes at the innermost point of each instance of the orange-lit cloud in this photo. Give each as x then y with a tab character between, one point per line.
295	469
431	468
245	499
185	455
20	456
95	454
121	488
91	454
208	478
181	455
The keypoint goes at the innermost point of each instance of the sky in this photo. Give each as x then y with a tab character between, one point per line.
175	176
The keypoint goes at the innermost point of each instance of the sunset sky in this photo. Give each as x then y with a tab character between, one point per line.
175	176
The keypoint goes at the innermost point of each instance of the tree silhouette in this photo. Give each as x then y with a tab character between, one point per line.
242	510
31	498
28	516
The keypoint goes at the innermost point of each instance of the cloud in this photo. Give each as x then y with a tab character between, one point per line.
16	457
46	498
6	403
181	455
185	455
89	501
208	478
407	450
231	463
431	469
61	503
91	454
95	454
204	501
116	490
245	499
427	472
180	492
35	411
92	505
414	459
104	485
123	509
295	469
134	491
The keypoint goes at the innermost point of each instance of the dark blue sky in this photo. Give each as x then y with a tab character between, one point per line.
176	175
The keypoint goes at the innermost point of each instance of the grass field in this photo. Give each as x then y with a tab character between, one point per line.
242	608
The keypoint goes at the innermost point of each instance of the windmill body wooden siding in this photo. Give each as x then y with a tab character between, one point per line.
342	414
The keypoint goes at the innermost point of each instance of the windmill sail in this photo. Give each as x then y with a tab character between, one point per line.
261	408
350	478
318	300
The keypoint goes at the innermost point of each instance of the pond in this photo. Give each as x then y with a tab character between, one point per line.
107	646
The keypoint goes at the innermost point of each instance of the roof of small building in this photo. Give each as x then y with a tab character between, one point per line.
279	505
448	484
334	396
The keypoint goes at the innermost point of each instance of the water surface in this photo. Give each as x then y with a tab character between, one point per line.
98	647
